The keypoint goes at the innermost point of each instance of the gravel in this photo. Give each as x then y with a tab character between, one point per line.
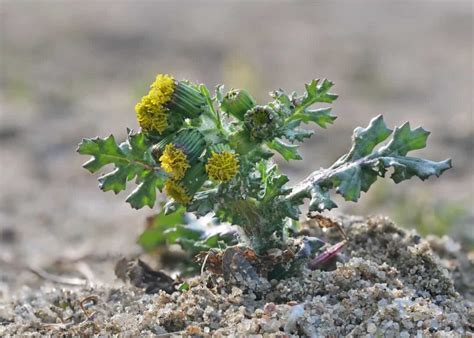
392	284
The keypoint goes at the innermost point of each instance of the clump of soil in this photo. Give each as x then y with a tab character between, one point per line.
392	283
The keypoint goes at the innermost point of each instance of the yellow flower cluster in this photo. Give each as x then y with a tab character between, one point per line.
176	191
151	111
222	166
174	161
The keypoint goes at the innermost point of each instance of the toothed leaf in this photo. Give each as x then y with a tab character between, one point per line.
287	151
272	181
175	228
322	117
103	151
295	109
320	199
317	91
116	180
405	140
145	192
292	133
407	167
366	139
132	159
348	183
359	169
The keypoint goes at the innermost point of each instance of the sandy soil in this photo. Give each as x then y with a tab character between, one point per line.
391	284
73	70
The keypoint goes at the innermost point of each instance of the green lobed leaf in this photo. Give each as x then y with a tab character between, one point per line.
297	109
320	199
287	151
348	182
292	133
317	91
366	139
204	202
405	140
103	151
358	170
173	228
116	180
155	235
175	234
145	192
407	167
193	247
271	181
288	209
322	117
132	159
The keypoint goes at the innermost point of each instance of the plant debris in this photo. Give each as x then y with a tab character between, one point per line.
140	275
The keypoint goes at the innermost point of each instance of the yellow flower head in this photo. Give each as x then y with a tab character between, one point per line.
222	166
152	113
174	161
176	191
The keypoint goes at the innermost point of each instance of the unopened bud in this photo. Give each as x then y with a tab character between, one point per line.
236	102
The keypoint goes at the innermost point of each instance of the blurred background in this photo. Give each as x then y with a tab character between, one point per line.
74	69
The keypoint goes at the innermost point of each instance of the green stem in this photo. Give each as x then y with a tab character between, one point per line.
214	113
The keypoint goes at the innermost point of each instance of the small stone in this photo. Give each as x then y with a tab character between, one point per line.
296	313
452	317
371	328
193	330
269	308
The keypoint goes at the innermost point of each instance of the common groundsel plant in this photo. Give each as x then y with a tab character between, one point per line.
212	154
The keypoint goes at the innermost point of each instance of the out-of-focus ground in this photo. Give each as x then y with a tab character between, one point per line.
75	69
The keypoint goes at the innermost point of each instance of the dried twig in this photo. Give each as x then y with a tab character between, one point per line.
326	223
203	266
55	278
94	300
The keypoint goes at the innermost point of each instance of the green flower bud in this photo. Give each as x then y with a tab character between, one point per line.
262	122
187	101
236	102
192	142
